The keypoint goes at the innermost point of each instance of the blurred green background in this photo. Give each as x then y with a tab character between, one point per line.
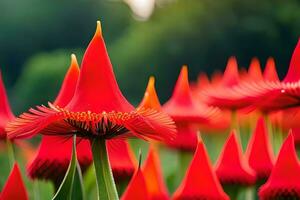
38	37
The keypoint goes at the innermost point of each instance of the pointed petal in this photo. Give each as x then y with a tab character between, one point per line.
259	151
202	81
69	84
232	167
254	71
153	176
216	78
200	181
150	99
270	72
14	187
137	188
231	73
293	74
284	179
5	111
97	89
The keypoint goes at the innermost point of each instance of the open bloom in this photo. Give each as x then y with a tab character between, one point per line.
269	96
186	113
97	110
223	95
52	159
259	151
200	181
232	166
14	187
283	182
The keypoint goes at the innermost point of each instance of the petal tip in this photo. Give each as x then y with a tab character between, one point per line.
98	28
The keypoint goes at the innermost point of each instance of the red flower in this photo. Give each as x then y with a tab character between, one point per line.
232	166
259	151
97	110
53	157
153	176
200	181
283	182
186	113
274	95
14	187
137	188
6	114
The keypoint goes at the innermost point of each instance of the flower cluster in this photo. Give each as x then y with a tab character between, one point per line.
217	139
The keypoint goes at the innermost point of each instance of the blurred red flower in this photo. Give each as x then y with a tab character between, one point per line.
200	181
283	182
232	166
14	187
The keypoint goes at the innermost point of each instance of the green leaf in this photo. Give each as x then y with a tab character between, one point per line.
65	190
78	189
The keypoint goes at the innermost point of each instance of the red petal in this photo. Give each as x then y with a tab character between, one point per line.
150	99
202	81
259	151
14	187
153	176
152	124
137	188
122	160
30	124
186	138
254	71
232	167
231	73
97	89
69	84
270	72
5	111
54	155
293	74
284	178
200	181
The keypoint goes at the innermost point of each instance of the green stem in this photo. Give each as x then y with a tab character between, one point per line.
104	177
232	191
10	152
36	192
269	127
235	125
